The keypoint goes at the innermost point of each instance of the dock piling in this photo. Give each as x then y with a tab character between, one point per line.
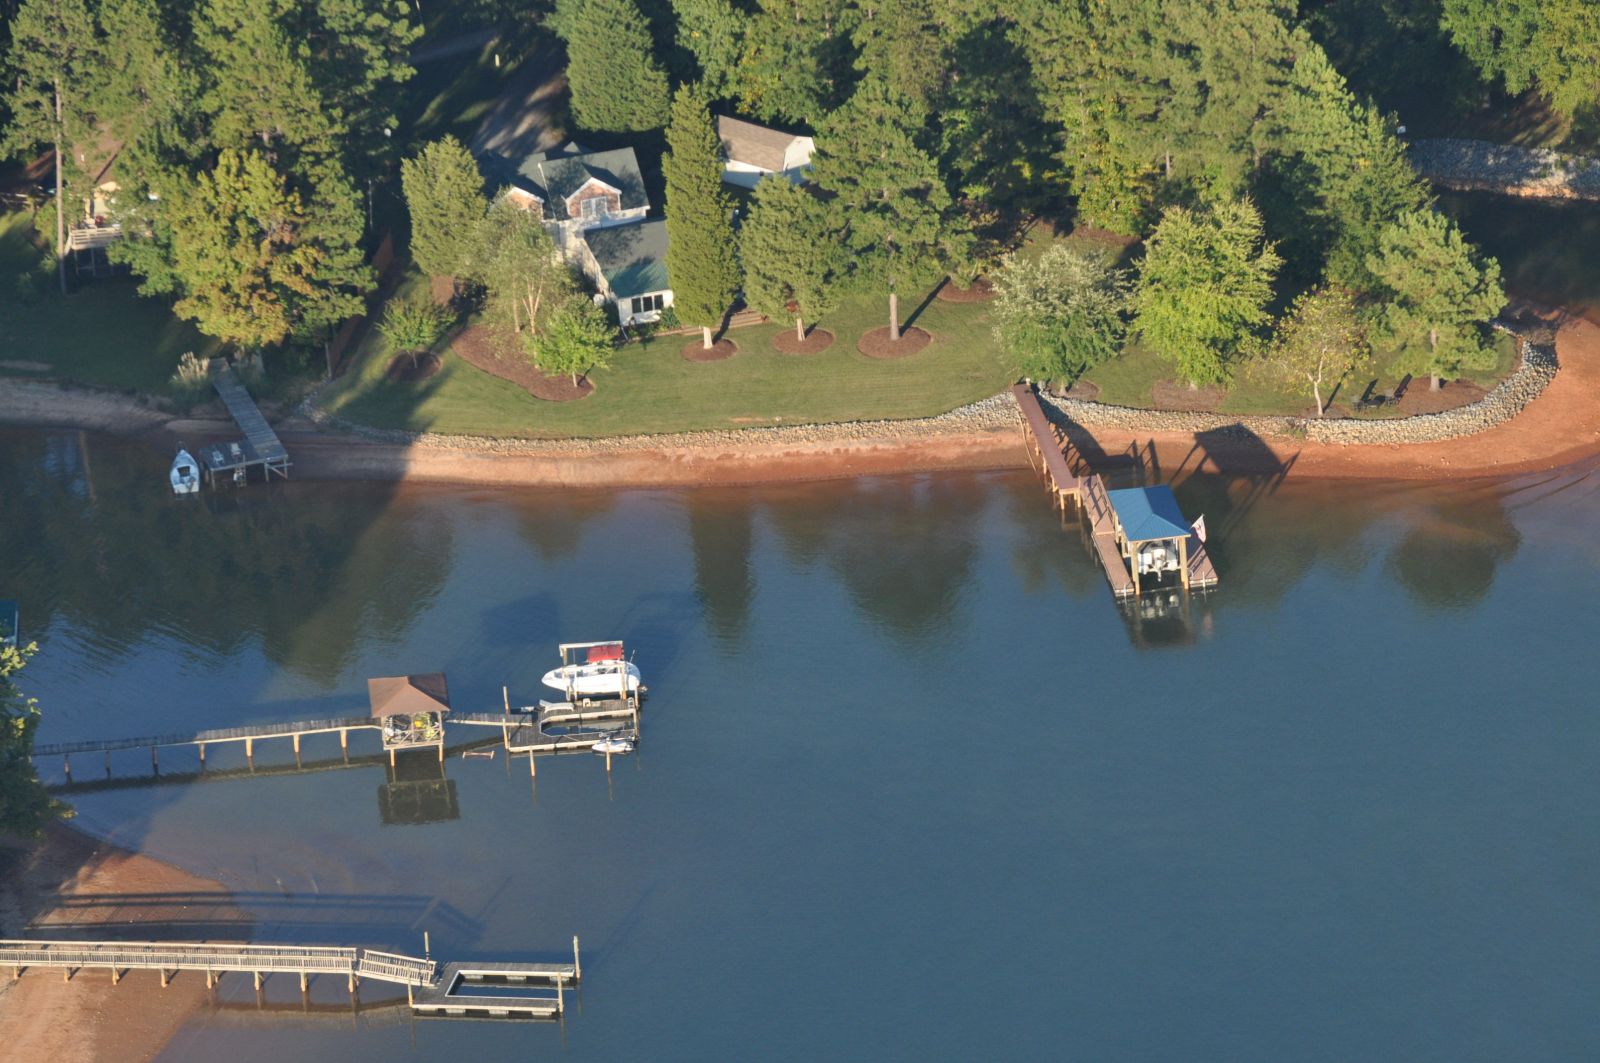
577	964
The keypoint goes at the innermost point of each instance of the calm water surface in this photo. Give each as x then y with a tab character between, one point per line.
912	787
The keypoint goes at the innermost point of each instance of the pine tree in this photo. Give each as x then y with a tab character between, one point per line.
1203	288
714	33
1437	294
895	211
617	83
791	255
702	259
444	195
54	51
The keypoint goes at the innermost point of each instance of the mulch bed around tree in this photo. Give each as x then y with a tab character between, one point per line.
980	292
816	341
877	344
402	369
485	348
1419	398
697	351
1087	390
1170	395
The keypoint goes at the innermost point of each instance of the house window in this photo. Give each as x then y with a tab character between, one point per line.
595	208
646	304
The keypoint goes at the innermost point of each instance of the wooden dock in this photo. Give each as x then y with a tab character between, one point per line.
429	990
260	446
249	735
1087	492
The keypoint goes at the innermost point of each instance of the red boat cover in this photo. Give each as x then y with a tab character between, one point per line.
611	651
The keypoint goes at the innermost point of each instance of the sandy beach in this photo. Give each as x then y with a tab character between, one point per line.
1560	427
73	886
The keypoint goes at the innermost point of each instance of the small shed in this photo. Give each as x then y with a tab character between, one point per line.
412	708
1152	533
755	151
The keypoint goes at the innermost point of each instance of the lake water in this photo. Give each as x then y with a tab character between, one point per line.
912	785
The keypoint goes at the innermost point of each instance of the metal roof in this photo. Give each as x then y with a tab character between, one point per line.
404	695
633	257
1147	513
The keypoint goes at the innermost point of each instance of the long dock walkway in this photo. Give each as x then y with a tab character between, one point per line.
261	445
1047	455
429	990
248	734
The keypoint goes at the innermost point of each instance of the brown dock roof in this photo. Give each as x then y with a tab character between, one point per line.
408	694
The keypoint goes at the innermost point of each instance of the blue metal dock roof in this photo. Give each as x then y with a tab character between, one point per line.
10	622
1147	513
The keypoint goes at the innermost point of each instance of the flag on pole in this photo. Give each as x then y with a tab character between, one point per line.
1199	527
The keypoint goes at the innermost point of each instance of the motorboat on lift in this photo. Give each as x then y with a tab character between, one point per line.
616	744
185	474
594	670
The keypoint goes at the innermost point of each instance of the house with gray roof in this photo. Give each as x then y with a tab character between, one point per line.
752	152
594	205
629	265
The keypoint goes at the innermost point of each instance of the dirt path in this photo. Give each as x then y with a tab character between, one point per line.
74	886
1560	427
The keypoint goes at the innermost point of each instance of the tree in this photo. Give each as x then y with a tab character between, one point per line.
580	339
519	265
54	48
1319	342
444	195
25	807
413	325
1060	314
797	59
895	211
1437	292
1347	156
257	262
714	32
791	255
618	85
1204	287
1554	44
702	257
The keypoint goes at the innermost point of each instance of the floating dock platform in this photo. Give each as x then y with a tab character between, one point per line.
260	446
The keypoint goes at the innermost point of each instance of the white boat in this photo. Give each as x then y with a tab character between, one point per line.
185	474
594	679
614	745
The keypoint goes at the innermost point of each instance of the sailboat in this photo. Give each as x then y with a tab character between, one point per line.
185	474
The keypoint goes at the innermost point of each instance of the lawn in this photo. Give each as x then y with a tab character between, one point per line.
103	333
650	388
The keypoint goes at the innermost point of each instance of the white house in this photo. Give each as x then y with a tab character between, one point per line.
754	151
595	206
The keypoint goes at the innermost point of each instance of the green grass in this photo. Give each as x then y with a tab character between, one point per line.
102	334
650	388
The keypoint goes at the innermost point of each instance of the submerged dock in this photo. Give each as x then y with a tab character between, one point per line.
1072	485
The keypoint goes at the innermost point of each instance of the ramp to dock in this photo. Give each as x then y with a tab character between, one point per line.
261	445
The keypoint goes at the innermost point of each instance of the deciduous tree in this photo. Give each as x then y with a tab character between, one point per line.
617	83
259	261
1318	343
791	254
519	265
444	195
580	339
714	33
702	256
25	807
798	57
1551	44
413	325
1437	294
1061	313
1204	286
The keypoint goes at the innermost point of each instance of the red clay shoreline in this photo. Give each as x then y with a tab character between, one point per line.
1559	428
